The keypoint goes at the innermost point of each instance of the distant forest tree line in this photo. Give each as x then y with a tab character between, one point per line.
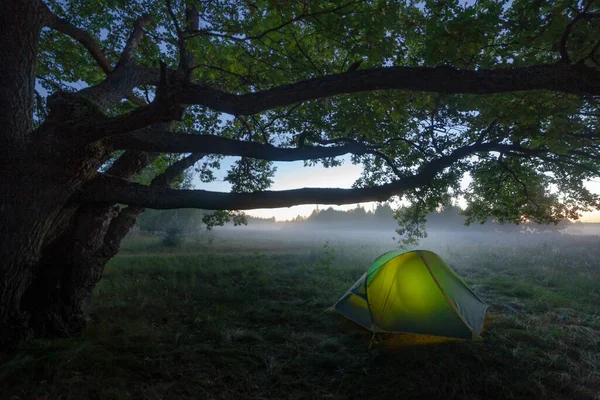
450	218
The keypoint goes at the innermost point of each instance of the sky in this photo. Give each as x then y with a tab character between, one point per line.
293	175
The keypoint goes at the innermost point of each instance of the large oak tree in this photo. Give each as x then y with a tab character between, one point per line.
104	104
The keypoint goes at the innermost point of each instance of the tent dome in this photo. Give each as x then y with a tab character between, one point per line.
413	292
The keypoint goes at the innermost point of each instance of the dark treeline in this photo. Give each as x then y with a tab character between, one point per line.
381	217
187	220
448	219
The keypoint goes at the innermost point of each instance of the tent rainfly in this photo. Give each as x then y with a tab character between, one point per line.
413	292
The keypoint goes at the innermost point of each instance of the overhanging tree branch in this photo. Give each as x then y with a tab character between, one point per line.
171	142
577	79
304	15
62	25
120	225
106	188
564	53
134	39
111	189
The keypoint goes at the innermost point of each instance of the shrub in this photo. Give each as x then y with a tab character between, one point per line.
173	236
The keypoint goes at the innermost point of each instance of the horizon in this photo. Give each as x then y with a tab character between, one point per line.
294	175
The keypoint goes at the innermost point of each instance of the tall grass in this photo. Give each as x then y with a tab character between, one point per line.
244	317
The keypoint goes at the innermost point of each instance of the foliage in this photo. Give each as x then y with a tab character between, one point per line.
220	218
250	175
191	219
328	257
244	46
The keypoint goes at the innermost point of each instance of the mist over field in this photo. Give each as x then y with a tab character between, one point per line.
386	234
375	228
241	311
304	236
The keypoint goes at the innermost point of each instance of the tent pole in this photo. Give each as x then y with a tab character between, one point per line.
372	340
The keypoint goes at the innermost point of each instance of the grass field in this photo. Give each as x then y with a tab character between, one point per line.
241	315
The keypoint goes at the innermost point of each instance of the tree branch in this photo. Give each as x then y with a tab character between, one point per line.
409	142
136	100
486	131
176	169
171	142
39	102
264	33
120	225
126	76
387	160
184	63
564	53
110	189
162	109
577	79
512	173
62	25
130	164
127	57
133	162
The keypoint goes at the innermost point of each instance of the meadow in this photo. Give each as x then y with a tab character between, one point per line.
242	314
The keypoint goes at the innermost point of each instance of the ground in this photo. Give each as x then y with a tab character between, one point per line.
241	314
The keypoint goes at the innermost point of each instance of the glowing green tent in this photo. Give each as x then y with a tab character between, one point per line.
413	292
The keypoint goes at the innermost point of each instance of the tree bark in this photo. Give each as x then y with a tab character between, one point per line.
23	216
73	259
67	273
39	169
20	26
34	209
43	235
73	265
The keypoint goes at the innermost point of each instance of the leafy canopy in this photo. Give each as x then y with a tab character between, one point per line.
551	139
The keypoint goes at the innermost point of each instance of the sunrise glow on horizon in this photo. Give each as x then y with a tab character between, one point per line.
293	175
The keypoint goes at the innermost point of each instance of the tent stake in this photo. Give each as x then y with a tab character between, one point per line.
372	340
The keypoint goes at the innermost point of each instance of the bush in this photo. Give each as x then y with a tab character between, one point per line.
173	236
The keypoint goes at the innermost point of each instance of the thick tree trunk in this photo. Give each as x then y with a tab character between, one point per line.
57	298
34	213
21	22
74	258
68	272
31	197
39	170
52	250
72	266
26	199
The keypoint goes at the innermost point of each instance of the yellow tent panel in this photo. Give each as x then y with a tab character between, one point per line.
413	292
